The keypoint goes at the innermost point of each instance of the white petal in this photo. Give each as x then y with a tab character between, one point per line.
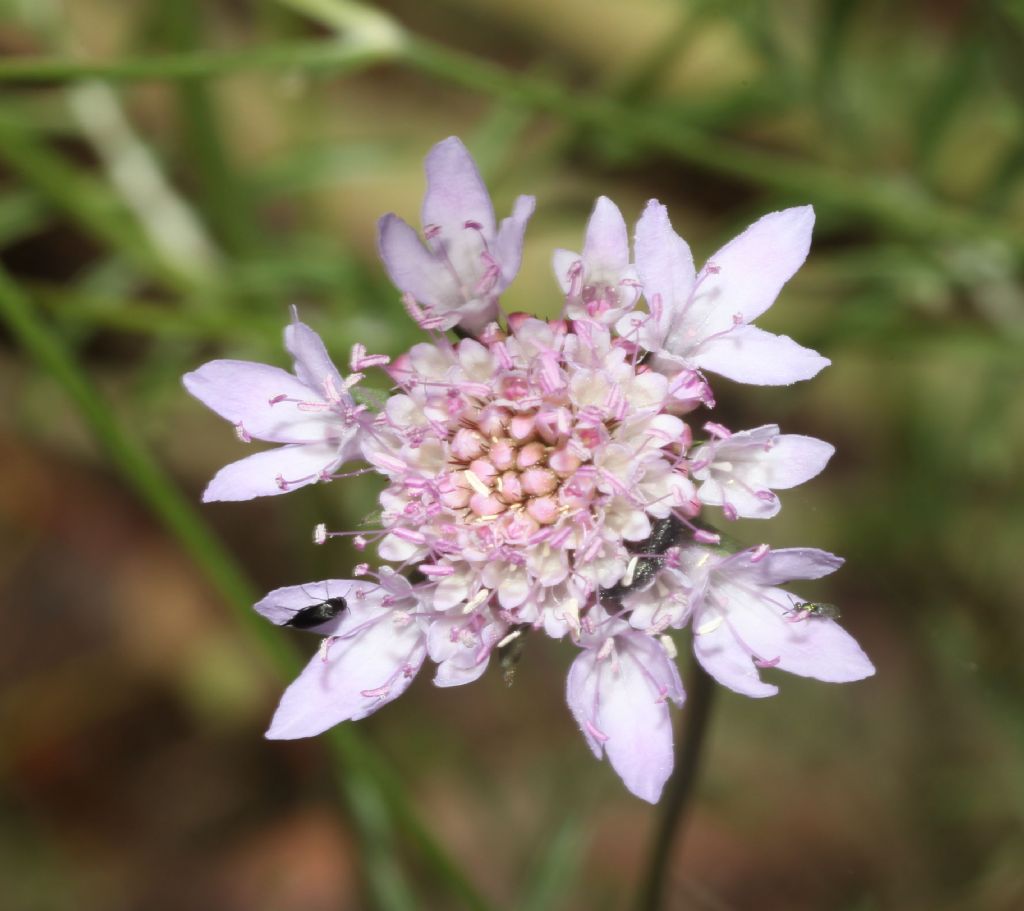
747	354
621	704
753	267
350	679
259	474
241	392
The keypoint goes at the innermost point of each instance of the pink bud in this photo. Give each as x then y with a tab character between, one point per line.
543	509
529	455
563	462
537	482
488	505
503	454
510	487
521	427
467	445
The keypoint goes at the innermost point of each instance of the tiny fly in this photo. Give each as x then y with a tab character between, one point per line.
803	609
317	613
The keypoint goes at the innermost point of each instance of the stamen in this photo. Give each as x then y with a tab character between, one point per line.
702	536
511	637
479	598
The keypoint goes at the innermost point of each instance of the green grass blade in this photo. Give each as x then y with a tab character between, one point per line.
338	57
549	882
87	201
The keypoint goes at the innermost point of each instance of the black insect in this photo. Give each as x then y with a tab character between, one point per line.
665	533
316	614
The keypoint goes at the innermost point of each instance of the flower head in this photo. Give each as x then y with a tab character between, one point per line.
540	476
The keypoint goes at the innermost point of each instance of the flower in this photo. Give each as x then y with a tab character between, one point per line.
702	321
743	621
516	465
466	264
312	413
539	476
740	470
618	690
600	284
373	649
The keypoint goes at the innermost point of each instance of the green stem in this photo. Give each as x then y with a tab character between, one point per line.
675	803
368	784
339	57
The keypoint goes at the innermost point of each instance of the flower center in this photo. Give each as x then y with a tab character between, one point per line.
505	462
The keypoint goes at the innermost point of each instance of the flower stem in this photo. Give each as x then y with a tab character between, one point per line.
700	689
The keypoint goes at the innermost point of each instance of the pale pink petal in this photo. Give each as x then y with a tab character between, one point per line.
451	590
313	365
788	563
461	646
461	669
564	263
747	354
747	504
812	647
725	659
794	459
259	474
664	262
606	246
456	193
241	392
411	267
508	245
620	702
351	677
752	268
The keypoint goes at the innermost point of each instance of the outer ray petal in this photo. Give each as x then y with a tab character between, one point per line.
753	267
665	264
455	191
241	392
747	354
606	245
788	563
313	365
282	604
411	267
351	679
795	459
256	476
814	647
728	662
621	707
508	245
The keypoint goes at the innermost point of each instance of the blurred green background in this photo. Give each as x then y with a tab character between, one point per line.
174	175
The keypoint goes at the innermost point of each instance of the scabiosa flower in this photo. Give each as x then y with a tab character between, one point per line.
540	476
